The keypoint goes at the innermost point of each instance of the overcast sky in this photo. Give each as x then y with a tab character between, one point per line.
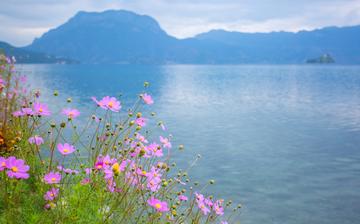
23	20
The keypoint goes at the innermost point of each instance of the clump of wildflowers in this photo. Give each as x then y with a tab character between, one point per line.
120	173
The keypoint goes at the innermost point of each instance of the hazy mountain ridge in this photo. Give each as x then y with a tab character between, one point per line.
119	36
26	56
289	47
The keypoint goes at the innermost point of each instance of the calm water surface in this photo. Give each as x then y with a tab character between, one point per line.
282	140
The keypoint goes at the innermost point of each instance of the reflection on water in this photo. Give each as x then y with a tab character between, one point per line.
282	140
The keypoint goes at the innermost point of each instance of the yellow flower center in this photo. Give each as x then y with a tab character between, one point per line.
14	169
41	109
111	104
53	179
157	205
116	168
143	172
52	194
66	150
3	164
71	114
99	166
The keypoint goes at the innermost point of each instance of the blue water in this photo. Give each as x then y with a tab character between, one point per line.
284	141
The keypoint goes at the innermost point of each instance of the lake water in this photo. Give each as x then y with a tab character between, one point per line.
284	141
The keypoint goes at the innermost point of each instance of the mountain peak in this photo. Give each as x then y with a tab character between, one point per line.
108	36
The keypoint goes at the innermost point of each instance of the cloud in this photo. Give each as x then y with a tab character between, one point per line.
23	20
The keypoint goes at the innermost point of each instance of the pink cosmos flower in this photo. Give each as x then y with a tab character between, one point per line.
153	180
224	222
205	210
154	150
41	109
141	138
124	164
200	200
65	149
166	142
17	113
199	197
88	171
108	172
141	121
23	112
147	99
160	206
103	162
182	197
108	161
37	140
52	178
153	173
27	111
208	202
218	208
154	184
71	113
51	194
108	103
17	168
99	164
2	163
